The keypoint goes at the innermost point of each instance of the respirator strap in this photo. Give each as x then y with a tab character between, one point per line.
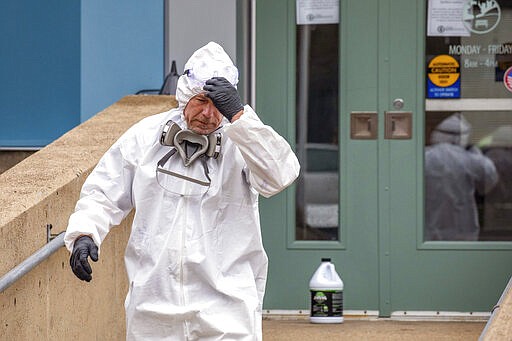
166	158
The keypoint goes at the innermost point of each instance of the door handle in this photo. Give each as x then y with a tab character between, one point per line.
363	125
398	125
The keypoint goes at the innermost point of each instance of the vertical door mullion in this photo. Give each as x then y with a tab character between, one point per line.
383	169
359	161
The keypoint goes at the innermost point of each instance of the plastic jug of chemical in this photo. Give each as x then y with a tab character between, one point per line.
326	289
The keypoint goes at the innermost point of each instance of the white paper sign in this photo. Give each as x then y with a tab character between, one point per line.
311	12
445	18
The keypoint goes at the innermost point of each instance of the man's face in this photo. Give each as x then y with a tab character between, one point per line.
201	115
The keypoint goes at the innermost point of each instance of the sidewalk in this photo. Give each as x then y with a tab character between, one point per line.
371	329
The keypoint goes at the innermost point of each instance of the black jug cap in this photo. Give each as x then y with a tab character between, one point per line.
326	259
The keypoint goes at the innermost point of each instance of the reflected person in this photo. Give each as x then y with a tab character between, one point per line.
454	172
498	202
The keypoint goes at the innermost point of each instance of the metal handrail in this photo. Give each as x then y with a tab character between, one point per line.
31	262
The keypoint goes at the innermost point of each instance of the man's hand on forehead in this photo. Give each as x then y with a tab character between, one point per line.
224	96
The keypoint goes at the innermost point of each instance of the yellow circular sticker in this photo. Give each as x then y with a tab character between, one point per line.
443	70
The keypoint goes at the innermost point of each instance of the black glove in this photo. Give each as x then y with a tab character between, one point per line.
224	96
83	248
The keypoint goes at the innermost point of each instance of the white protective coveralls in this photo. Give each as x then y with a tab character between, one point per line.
195	263
452	177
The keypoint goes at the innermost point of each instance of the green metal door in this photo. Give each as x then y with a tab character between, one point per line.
374	166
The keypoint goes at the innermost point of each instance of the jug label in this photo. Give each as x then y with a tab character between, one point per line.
326	303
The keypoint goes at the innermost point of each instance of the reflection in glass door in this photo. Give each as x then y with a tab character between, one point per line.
468	126
317	76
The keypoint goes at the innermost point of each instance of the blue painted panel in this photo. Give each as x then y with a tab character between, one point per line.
61	62
122	50
40	71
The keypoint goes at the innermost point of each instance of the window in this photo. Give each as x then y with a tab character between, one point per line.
468	127
317	96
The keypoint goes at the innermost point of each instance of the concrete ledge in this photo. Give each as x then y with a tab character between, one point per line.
76	152
50	303
499	326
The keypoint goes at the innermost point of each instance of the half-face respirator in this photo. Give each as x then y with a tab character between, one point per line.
190	147
174	136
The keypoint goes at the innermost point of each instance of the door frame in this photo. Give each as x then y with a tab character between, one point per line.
394	232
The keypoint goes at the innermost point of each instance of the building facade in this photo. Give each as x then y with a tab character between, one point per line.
357	87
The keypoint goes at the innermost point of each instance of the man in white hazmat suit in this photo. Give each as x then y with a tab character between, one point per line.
195	260
453	174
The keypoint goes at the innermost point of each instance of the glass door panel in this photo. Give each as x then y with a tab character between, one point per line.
317	104
468	123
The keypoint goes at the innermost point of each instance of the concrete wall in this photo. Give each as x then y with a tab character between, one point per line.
200	21
499	326
50	303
